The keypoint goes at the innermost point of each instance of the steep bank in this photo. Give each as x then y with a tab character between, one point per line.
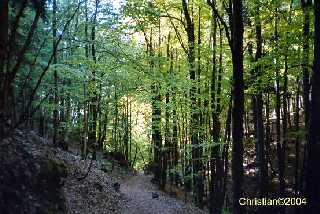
37	178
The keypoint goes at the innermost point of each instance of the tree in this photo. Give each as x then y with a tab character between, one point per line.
164	85
55	74
196	152
3	58
238	105
8	74
312	175
258	109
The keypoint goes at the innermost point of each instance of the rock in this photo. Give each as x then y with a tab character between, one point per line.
116	187
155	195
30	181
98	186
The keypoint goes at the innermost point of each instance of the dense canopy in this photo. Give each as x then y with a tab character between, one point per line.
219	99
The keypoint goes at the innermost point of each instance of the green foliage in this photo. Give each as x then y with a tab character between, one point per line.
141	65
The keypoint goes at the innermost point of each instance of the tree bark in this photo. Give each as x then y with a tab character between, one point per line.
313	159
238	105
94	98
197	174
261	156
306	4
297	140
4	93
55	75
278	118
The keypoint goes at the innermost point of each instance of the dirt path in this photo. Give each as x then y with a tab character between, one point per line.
137	192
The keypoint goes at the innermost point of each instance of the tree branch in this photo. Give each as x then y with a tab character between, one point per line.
15	25
221	20
178	36
50	60
25	47
175	18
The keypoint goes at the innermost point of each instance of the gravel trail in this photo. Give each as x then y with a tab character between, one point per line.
137	192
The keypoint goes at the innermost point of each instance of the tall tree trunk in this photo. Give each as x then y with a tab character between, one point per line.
201	130
4	18
214	149
4	87
197	174
126	130
261	157
164	151
174	139
156	115
313	159
156	133
219	164
227	137
115	120
94	99
297	140
281	164
85	114
306	5
175	152
167	144
216	161
55	75
130	131
238	105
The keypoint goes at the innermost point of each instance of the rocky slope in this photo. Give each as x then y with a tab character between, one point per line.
37	178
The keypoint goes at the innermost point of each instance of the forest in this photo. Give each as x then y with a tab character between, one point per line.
219	100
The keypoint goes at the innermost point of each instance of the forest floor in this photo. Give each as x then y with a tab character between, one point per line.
94	193
82	191
137	192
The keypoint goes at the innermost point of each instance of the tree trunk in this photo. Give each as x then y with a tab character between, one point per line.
306	4
4	9
55	75
4	87
281	164
175	152
197	174
215	128
313	159
156	133
94	99
85	114
216	162
261	157
238	105
156	115
297	140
